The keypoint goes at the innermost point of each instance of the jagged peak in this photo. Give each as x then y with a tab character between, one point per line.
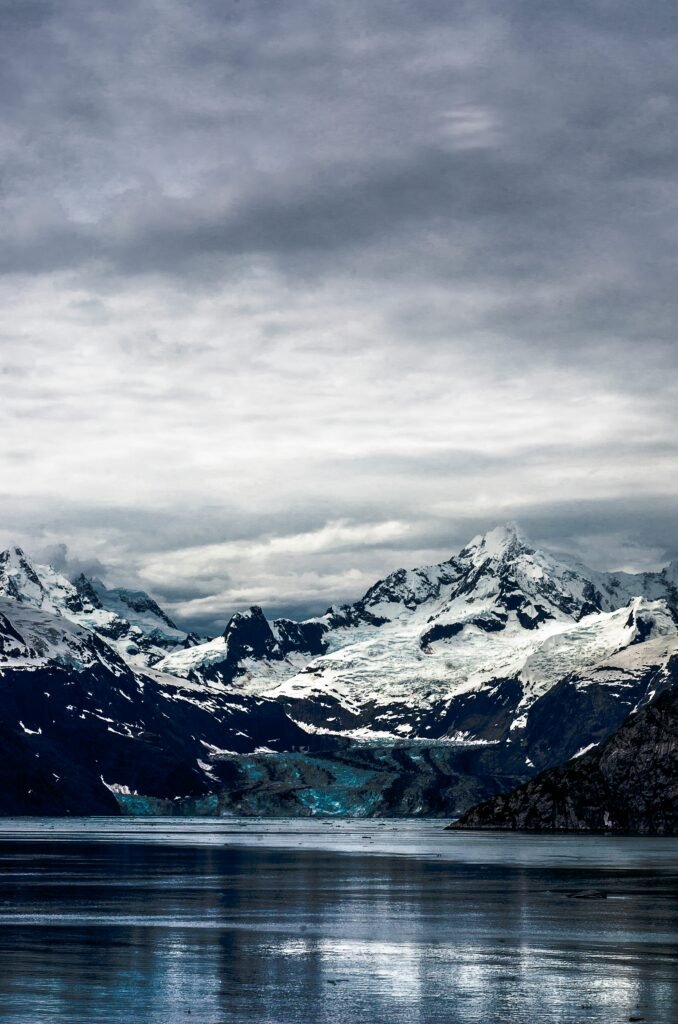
248	633
19	576
87	589
14	556
132	620
15	561
253	612
496	543
123	600
252	618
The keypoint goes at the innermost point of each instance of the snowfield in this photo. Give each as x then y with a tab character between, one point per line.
498	610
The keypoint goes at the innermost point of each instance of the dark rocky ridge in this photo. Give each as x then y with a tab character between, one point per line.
250	637
90	728
628	784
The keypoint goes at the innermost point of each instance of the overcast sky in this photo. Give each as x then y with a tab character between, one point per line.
294	293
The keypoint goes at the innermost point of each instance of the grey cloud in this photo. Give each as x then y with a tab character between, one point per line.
271	266
325	158
132	530
615	534
255	62
59	557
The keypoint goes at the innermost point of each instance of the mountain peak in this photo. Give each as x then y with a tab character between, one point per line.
248	634
19	579
496	543
13	556
129	621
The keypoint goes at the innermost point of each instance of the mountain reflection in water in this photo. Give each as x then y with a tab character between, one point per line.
298	921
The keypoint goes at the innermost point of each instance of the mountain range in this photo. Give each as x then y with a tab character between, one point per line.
440	687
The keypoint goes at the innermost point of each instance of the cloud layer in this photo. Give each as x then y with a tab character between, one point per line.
295	293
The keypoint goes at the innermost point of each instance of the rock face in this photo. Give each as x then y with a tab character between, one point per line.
249	639
628	784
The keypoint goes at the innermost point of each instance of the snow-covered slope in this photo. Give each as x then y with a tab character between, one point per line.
420	639
129	621
31	639
392	668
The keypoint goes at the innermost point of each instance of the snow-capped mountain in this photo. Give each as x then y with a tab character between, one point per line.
32	639
79	727
438	688
410	657
130	621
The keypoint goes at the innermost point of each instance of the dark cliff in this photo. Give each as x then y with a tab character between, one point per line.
628	784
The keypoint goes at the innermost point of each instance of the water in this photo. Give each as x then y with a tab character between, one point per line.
331	922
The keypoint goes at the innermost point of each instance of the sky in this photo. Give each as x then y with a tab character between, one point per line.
292	294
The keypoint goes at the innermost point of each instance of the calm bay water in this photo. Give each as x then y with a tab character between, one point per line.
298	922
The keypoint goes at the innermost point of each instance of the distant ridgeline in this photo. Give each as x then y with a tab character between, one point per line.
441	687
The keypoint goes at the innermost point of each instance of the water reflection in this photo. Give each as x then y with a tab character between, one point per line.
409	926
